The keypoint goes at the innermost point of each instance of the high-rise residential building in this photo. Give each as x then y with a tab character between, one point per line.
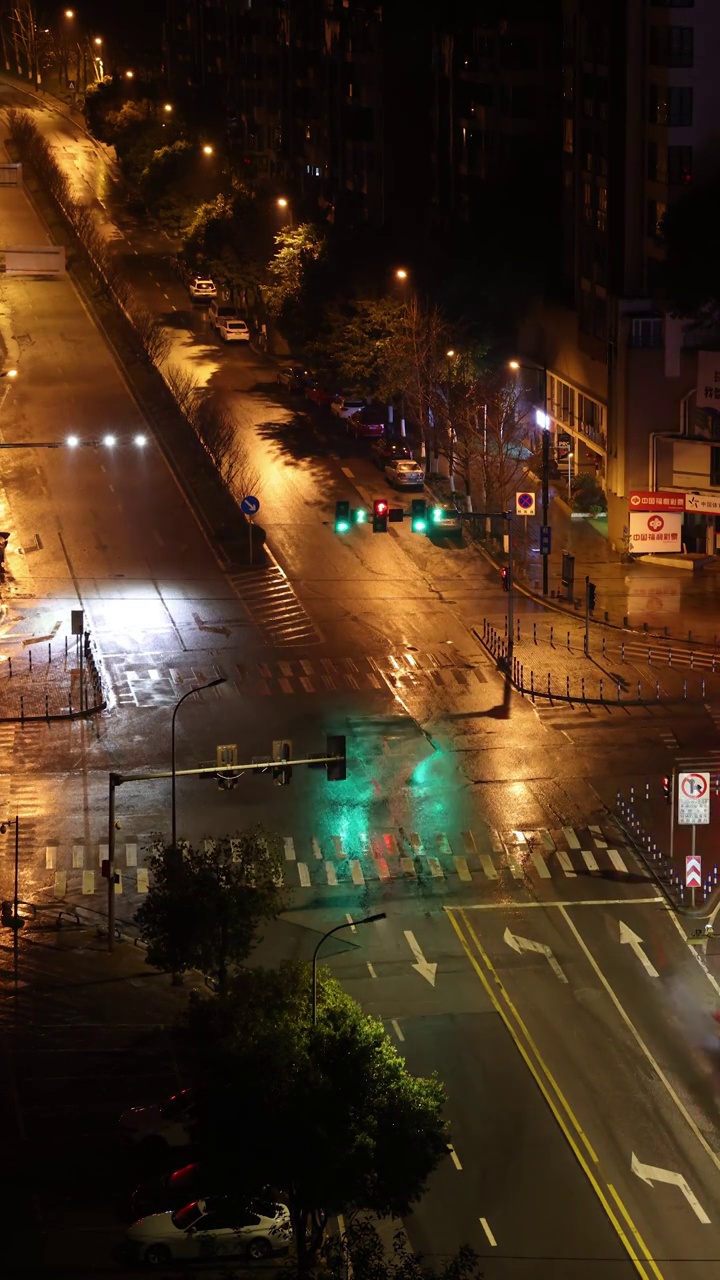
641	105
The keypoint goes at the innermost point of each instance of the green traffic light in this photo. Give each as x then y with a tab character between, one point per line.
419	526
341	526
360	515
437	514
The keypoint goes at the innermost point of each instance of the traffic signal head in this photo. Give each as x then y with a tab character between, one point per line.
380	515
282	750
592	591
342	516
418	515
437	514
667	788
359	515
336	747
505	577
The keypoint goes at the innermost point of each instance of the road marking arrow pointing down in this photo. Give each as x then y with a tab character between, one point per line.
636	942
649	1173
526	944
421	965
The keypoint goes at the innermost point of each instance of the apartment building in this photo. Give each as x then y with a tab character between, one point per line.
640	124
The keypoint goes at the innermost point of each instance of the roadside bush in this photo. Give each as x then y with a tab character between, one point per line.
587	496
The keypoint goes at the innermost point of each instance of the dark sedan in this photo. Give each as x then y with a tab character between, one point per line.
384	451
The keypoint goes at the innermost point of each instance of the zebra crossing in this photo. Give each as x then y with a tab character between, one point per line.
274	607
480	860
155	682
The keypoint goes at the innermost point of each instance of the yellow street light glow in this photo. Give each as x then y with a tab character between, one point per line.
450	353
282	202
98	40
69	13
513	364
401	273
129	75
72	442
207	149
167	106
10	373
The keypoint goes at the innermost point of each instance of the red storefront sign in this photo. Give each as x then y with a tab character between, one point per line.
644	500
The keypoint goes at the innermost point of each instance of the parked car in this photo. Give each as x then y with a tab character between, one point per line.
383	451
292	377
445	520
201	288
214	1228
169	1191
168	1124
317	393
367	423
345	403
232	330
219	311
403	473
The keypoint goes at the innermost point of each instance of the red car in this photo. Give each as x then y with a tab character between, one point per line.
367	423
315	391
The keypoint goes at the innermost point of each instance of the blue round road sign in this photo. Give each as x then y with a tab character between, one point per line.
526	500
250	506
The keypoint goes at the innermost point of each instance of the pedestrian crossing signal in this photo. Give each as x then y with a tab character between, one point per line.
667	788
342	516
418	515
336	769
282	750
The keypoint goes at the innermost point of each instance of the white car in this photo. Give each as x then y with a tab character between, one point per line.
232	330
346	403
201	288
168	1124
210	1229
405	473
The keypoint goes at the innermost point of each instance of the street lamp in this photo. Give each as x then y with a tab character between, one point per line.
543	420
347	924
207	149
401	274
197	689
9	373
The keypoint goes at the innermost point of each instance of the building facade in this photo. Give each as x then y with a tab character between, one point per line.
641	123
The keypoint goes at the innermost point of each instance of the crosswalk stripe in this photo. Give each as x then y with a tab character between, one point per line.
60	884
514	861
565	862
435	868
547	839
337	841
515	838
443	845
391	844
495	842
383	869
486	863
304	875
600	844
50	857
569	834
356	872
595	830
331	873
540	865
408	866
142	880
416	842
88	881
616	860
468	840
289	845
317	851
462	869
589	859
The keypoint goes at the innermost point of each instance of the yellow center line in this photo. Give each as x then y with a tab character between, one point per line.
538	1069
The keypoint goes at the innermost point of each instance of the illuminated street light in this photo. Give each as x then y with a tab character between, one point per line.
401	274
282	202
167	107
450	354
72	442
544	421
109	441
140	441
69	13
9	373
129	75
207	149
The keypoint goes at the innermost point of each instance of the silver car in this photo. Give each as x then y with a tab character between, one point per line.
405	473
209	1229
202	289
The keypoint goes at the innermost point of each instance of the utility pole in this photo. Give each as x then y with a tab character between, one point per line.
587	615
545	479
511	602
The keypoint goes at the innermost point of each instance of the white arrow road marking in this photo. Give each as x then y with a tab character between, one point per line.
421	965
526	944
649	1173
633	940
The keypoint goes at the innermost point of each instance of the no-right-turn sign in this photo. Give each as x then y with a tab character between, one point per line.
693	799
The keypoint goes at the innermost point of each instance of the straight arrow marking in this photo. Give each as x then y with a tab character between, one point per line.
421	966
649	1173
526	944
634	941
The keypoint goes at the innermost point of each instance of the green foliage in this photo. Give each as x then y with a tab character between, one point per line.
360	1252
587	495
168	165
223	236
329	1115
204	906
361	343
299	281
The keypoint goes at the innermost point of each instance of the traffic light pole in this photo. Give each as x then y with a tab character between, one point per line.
545	492
116	780
587	615
511	594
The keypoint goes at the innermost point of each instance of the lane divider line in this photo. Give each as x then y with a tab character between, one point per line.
486	1228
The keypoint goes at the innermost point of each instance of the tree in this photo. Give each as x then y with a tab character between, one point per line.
327	1115
361	343
359	1252
204	906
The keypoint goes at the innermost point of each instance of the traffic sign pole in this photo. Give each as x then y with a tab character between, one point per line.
545	477
692	854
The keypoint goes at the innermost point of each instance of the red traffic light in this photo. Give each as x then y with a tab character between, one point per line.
380	507
505	576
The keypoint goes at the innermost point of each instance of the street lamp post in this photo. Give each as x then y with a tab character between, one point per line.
543	420
196	689
347	924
